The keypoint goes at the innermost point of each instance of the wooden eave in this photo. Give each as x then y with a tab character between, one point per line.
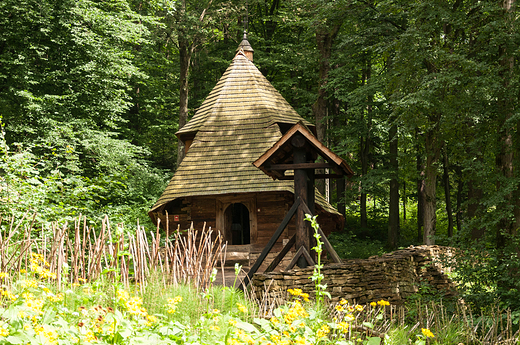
278	159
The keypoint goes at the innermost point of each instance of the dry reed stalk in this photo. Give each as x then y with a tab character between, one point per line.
133	253
222	261
86	234
188	259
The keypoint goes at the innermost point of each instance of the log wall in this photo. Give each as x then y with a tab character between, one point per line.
268	209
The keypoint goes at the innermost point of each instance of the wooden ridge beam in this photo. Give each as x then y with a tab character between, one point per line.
299	166
317	176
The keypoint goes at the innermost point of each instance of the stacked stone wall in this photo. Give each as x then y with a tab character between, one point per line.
393	277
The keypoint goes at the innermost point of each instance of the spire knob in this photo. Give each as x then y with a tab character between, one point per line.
246	47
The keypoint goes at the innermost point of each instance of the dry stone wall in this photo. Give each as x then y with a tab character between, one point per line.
393	277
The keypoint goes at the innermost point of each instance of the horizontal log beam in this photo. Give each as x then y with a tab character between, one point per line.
317	176
300	166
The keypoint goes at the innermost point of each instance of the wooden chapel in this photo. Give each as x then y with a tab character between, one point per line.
217	183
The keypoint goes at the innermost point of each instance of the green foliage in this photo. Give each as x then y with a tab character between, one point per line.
317	276
66	77
121	185
348	246
487	276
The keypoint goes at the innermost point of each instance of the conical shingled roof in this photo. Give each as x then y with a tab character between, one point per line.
244	94
234	126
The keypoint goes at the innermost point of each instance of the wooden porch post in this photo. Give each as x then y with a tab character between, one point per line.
300	190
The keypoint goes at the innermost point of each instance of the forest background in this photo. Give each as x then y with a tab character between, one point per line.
420	97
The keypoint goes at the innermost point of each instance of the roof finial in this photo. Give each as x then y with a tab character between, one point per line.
244	45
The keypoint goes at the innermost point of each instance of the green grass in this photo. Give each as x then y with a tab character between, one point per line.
194	303
95	313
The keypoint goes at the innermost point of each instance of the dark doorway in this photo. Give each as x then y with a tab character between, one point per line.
237	224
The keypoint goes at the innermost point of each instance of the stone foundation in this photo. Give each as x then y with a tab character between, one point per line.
393	277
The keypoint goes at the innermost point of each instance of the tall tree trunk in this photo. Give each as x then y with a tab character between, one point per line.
340	182
185	53
430	188
365	144
447	193
506	160
364	151
404	200
393	216
324	41
187	44
460	189
420	190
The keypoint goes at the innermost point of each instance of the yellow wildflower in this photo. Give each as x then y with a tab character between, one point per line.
349	317
151	319
242	308
343	326
343	301
48	333
172	304
323	331
90	336
427	333
35	304
340	308
300	340
134	305
31	283
3	332
244	337
359	307
4	275
57	298
295	292
383	303
9	295
373	304
27	295
214	328
123	294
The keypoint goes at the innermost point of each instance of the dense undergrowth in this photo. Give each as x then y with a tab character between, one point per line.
35	311
41	304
